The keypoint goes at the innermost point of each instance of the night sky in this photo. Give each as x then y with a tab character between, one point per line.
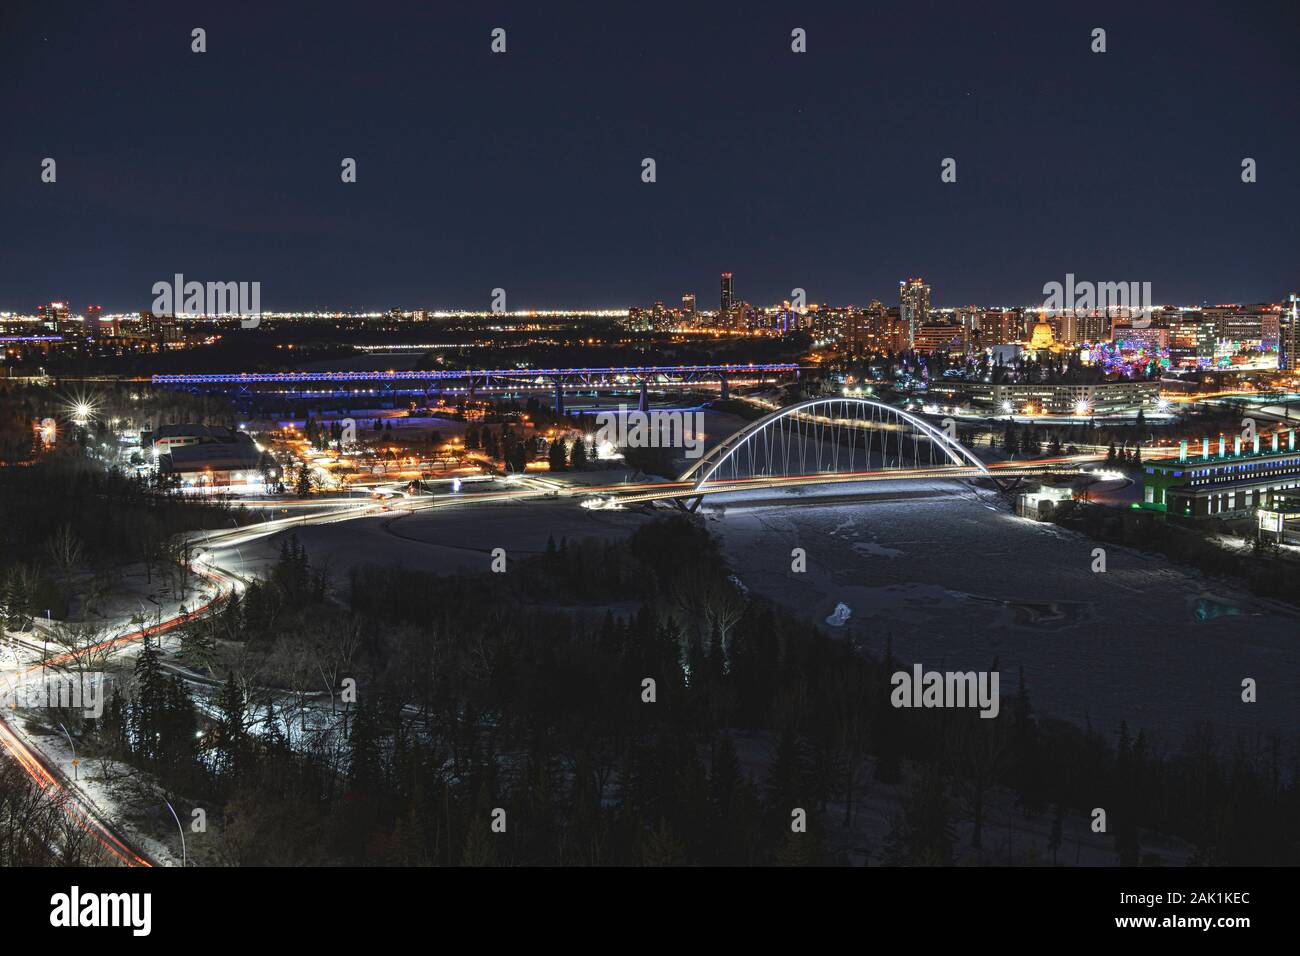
523	170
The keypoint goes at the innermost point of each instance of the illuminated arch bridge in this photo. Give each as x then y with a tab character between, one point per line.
828	440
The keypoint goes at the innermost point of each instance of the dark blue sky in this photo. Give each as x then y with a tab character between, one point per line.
523	171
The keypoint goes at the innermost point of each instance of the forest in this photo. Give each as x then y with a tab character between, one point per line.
524	694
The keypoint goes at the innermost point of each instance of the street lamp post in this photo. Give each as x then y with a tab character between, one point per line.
180	828
75	762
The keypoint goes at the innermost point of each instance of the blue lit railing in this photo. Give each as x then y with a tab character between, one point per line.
274	378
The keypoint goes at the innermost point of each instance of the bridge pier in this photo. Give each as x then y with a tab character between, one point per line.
559	397
643	403
723	392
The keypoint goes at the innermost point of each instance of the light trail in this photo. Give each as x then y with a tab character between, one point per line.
40	773
66	799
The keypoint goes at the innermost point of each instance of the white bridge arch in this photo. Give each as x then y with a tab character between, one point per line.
814	432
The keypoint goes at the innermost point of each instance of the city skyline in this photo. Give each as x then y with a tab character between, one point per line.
443	309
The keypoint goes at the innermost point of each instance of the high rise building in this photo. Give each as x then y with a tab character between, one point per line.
728	299
93	313
1288	337
1206	339
999	327
1236	323
54	316
688	303
913	306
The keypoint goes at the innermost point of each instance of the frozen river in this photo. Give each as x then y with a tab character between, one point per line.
953	579
956	581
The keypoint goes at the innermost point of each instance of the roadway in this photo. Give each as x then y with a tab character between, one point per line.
44	773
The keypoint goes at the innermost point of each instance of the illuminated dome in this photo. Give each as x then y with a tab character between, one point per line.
1043	338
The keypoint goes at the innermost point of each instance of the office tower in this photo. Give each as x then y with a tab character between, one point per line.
688	303
727	299
54	316
1206	340
1288	338
93	313
913	306
1236	323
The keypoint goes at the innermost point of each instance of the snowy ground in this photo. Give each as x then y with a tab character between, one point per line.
1010	837
444	540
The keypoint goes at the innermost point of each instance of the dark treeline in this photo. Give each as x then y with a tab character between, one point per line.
115	406
484	693
1262	568
69	527
36	830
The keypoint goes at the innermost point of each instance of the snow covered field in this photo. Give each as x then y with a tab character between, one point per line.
445	540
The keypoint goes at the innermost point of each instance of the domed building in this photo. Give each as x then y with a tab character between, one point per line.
1043	339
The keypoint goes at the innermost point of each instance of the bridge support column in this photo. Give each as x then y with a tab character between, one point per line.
643	403
723	392
559	397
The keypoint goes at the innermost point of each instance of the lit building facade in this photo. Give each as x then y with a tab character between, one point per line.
913	307
1106	398
1228	478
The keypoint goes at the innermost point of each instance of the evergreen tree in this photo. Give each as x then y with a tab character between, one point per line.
1054	841
517	458
725	777
1026	758
365	766
888	734
924	833
149	707
180	730
556	456
231	729
578	455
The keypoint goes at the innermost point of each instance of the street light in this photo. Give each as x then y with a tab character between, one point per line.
72	747
180	828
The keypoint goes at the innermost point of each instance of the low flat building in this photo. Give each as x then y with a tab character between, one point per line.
1100	399
214	463
166	437
1279	516
1224	480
